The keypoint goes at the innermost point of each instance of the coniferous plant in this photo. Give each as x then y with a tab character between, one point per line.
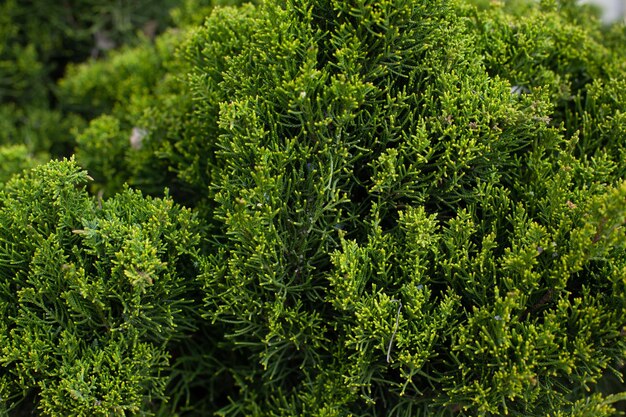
415	218
404	208
95	296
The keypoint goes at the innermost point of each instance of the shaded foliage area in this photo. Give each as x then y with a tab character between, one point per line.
39	39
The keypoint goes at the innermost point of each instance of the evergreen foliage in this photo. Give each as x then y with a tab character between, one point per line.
136	94
404	233
396	208
95	296
13	159
146	98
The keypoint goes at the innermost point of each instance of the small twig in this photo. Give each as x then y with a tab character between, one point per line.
395	329
545	299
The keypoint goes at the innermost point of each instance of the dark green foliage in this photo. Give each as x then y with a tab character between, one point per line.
41	130
145	89
401	208
95	296
142	90
404	231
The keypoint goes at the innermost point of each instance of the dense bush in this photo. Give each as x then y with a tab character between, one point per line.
134	89
401	208
14	159
155	133
408	229
95	296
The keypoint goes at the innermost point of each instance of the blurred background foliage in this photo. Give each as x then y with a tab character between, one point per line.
41	40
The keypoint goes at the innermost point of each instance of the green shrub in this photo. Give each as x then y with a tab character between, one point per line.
145	94
13	159
401	208
96	297
136	93
409	226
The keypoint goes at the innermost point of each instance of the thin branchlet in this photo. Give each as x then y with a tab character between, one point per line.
395	329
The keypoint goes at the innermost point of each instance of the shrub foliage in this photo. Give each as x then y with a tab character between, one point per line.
95	296
396	208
